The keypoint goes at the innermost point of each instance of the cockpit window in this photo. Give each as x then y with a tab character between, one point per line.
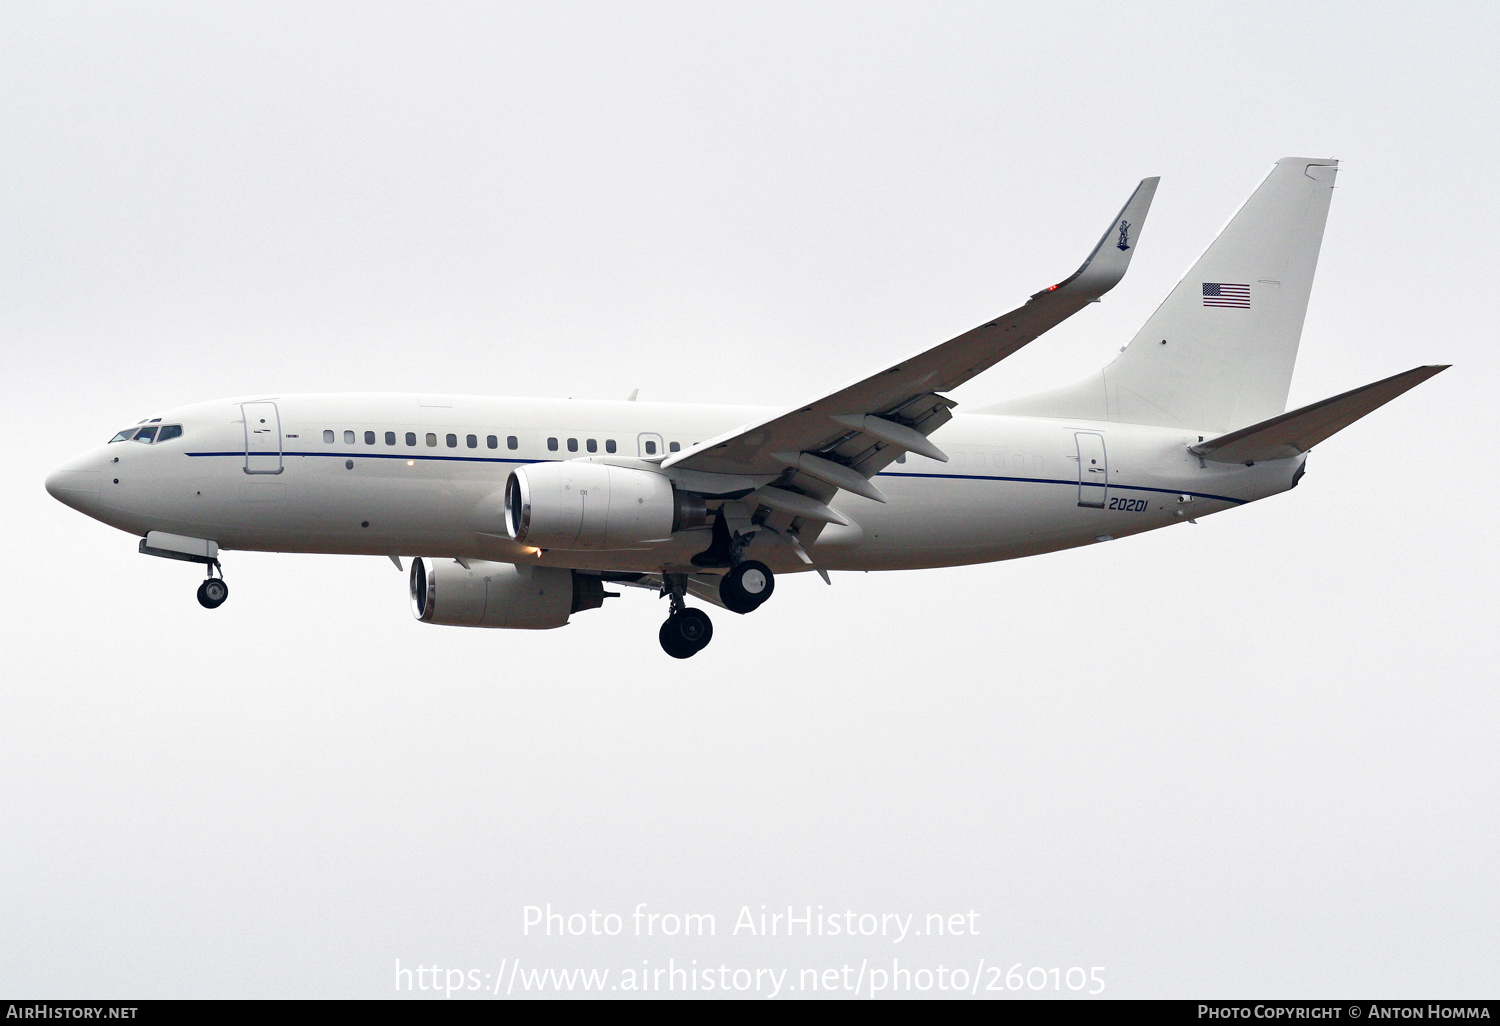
150	433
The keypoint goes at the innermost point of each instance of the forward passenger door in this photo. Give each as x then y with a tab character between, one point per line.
262	438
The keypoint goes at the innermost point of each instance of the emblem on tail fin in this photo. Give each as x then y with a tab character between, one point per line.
1225	294
1124	236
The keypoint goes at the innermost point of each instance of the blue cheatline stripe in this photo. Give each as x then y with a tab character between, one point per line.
1073	484
883	473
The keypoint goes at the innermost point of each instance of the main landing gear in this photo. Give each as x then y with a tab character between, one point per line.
747	582
687	631
746	586
213	592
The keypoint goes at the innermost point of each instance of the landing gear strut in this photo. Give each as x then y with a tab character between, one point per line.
213	592
687	631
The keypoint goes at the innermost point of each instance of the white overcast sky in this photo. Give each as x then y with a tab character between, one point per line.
1252	757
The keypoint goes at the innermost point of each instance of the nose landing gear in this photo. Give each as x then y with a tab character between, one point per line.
213	592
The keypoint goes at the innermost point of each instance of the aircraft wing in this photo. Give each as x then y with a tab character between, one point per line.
845	438
1292	434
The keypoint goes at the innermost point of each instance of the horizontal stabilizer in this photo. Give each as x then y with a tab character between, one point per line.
1292	434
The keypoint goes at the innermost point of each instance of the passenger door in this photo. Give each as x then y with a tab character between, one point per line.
262	438
1093	469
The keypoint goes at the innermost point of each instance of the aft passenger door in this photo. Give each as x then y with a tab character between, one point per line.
262	438
1093	469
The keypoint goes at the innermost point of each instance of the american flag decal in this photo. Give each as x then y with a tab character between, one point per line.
1218	293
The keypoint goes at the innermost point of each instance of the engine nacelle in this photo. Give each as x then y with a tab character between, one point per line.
499	594
578	505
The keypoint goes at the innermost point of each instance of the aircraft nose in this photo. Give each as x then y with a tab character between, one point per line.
76	482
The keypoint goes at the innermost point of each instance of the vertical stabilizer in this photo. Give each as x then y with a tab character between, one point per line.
1218	353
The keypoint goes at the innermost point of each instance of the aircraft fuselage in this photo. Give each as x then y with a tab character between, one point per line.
408	475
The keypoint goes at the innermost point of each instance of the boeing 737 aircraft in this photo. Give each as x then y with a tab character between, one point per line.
521	512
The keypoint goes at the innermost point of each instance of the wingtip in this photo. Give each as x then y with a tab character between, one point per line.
1108	261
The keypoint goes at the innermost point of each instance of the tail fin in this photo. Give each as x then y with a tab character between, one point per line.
1219	352
1292	434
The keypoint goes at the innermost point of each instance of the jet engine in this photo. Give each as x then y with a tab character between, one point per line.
485	594
579	505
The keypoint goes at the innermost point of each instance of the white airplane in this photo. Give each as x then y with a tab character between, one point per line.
521	512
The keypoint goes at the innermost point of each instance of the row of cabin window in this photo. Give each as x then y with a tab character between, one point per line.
472	441
490	441
592	445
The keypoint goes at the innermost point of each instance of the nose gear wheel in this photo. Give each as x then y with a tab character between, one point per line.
212	593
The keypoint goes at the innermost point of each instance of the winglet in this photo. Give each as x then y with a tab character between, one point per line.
1106	265
1292	434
